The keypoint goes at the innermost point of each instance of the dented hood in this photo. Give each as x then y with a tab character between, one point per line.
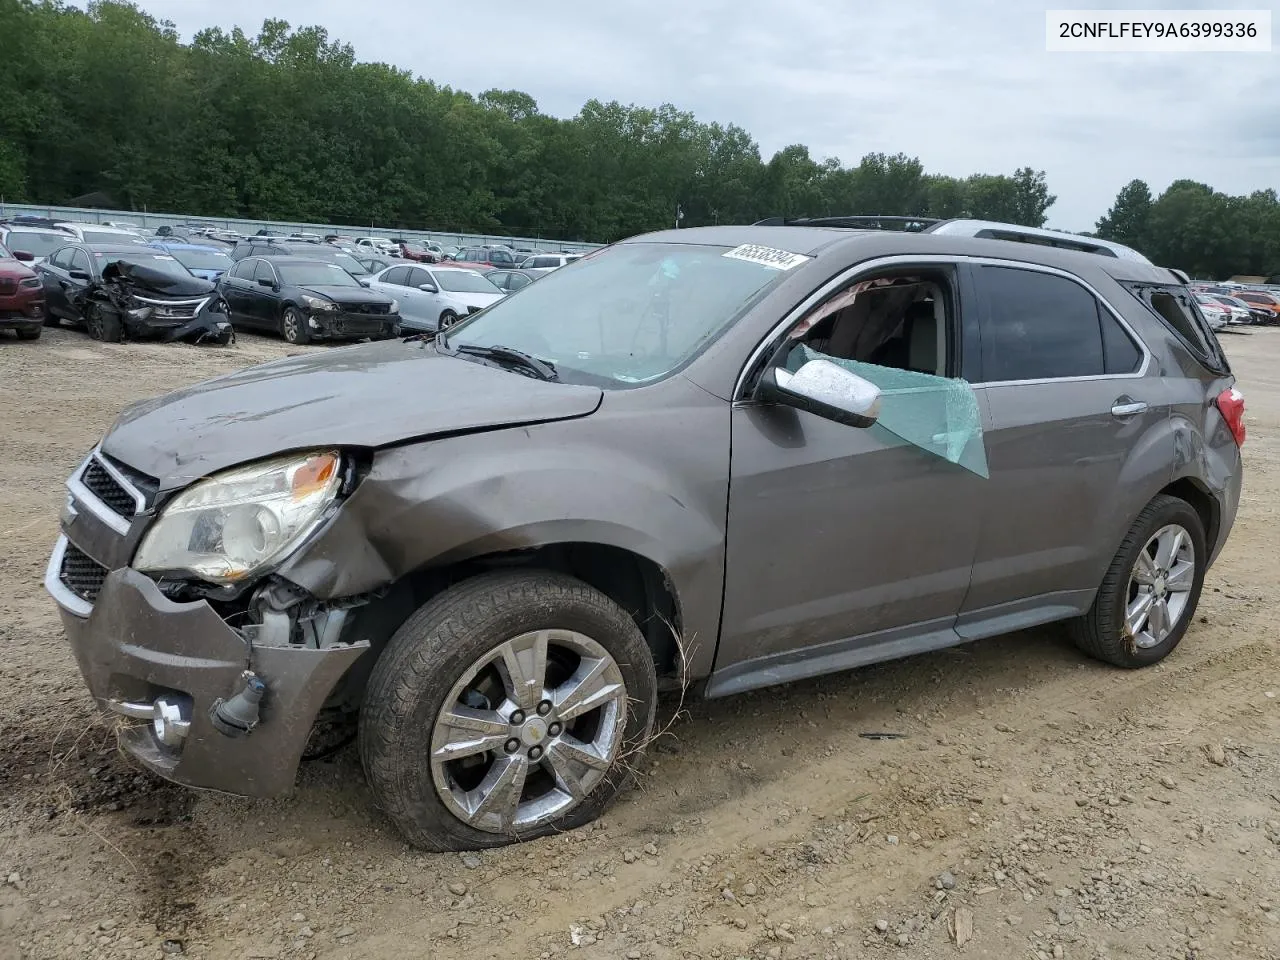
365	396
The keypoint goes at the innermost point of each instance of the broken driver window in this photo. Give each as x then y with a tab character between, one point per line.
894	332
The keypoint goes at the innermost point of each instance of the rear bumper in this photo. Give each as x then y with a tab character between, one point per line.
134	645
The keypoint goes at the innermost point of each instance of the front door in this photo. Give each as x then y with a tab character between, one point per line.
850	544
1075	444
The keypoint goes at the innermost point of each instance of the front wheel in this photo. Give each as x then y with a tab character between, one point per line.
1149	594
29	333
508	707
102	324
293	327
448	319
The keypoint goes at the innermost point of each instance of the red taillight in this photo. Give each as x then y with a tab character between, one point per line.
1231	406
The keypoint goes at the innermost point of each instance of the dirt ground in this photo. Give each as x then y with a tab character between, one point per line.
1038	805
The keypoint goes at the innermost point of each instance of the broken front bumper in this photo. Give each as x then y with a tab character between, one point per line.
135	647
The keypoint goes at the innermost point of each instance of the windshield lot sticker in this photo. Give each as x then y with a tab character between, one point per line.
767	256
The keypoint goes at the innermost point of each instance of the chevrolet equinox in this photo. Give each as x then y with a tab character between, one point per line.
719	457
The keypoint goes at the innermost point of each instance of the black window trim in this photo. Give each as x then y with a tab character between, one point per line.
1143	367
1214	357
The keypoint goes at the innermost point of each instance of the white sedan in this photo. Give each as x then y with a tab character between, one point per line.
432	298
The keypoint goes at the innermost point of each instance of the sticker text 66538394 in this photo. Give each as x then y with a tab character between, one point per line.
767	256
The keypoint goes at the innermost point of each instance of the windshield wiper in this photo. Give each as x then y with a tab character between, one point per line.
511	357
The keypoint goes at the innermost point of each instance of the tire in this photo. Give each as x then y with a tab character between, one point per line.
102	324
1102	632
29	333
429	659
447	320
293	326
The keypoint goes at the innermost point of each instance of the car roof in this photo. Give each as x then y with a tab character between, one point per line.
98	226
136	248
24	228
849	242
295	261
188	246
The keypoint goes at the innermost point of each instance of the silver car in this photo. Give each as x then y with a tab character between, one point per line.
432	298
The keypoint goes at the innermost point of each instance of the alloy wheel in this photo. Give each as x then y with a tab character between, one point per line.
528	731
1160	586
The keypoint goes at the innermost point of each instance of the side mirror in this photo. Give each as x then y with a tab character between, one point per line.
363	282
428	287
826	390
26	256
78	274
266	282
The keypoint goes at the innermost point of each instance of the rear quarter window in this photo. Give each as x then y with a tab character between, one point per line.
1176	308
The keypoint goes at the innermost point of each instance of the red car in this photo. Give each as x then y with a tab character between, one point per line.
21	298
412	250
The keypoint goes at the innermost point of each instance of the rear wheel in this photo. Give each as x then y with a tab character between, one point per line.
1150	592
293	326
506	708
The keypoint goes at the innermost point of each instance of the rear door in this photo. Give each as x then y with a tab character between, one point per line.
1074	429
53	274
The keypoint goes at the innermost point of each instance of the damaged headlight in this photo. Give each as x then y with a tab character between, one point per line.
139	314
237	522
395	307
319	303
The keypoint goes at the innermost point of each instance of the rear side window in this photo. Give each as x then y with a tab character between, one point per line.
1038	326
1176	307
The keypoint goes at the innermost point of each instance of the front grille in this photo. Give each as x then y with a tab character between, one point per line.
367	309
8	285
81	574
173	309
107	489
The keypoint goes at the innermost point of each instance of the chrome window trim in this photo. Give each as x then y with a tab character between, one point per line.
197	305
95	505
53	583
897	260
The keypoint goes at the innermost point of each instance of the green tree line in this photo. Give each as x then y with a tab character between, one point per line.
288	125
1192	226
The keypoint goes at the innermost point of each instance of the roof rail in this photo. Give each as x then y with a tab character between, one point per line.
859	221
995	230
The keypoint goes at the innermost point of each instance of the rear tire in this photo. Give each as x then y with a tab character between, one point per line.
1114	629
443	660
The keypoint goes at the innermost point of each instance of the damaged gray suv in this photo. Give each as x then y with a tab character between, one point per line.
725	457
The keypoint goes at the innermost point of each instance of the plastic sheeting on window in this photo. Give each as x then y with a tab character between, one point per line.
937	414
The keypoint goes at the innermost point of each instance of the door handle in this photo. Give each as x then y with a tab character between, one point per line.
1124	407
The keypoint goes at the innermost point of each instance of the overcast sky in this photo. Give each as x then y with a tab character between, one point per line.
965	85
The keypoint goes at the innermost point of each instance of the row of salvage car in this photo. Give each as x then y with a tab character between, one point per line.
118	285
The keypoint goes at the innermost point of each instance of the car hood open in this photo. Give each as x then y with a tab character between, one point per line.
366	396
